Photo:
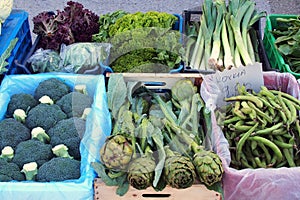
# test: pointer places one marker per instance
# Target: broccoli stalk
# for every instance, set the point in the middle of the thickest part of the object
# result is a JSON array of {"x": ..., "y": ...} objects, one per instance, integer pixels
[
  {"x": 40, "y": 134},
  {"x": 81, "y": 88},
  {"x": 20, "y": 115},
  {"x": 85, "y": 113},
  {"x": 61, "y": 150},
  {"x": 7, "y": 153},
  {"x": 46, "y": 100},
  {"x": 30, "y": 170}
]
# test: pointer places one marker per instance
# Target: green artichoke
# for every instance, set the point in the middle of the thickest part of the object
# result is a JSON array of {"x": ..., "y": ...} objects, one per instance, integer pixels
[
  {"x": 141, "y": 172},
  {"x": 179, "y": 171},
  {"x": 208, "y": 167},
  {"x": 116, "y": 153}
]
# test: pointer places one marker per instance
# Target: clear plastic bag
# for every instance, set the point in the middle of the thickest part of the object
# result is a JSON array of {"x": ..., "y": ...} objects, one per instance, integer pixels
[{"x": 84, "y": 56}]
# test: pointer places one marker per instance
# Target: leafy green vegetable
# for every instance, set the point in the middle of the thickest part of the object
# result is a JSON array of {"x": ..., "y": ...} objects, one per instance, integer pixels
[
  {"x": 287, "y": 36},
  {"x": 105, "y": 21},
  {"x": 6, "y": 55}
]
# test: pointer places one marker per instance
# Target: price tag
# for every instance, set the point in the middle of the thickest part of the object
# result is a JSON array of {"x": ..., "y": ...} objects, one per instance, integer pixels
[{"x": 224, "y": 84}]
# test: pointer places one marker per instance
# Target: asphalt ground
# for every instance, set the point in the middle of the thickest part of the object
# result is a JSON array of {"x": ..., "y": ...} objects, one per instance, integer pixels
[{"x": 34, "y": 7}]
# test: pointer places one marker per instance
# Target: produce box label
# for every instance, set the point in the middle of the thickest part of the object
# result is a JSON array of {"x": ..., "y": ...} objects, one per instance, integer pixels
[{"x": 225, "y": 83}]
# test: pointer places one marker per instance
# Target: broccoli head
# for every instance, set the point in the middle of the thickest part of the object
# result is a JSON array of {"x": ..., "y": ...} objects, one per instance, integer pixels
[
  {"x": 68, "y": 132},
  {"x": 12, "y": 133},
  {"x": 32, "y": 151},
  {"x": 20, "y": 101},
  {"x": 44, "y": 116},
  {"x": 10, "y": 171},
  {"x": 59, "y": 169},
  {"x": 53, "y": 88},
  {"x": 74, "y": 103}
]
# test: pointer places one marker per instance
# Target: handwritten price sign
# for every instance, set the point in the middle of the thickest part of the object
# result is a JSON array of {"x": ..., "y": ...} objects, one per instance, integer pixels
[{"x": 225, "y": 83}]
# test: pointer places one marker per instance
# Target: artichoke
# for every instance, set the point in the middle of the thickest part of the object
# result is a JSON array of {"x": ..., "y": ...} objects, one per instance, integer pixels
[
  {"x": 179, "y": 171},
  {"x": 141, "y": 172},
  {"x": 208, "y": 167},
  {"x": 116, "y": 153}
]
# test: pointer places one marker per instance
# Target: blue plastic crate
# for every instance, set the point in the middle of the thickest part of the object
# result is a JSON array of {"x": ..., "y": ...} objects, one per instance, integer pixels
[{"x": 16, "y": 26}]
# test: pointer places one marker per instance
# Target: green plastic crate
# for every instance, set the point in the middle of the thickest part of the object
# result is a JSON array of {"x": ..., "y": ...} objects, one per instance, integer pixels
[{"x": 275, "y": 58}]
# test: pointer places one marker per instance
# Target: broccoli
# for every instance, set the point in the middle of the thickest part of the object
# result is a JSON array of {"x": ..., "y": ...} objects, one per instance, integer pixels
[
  {"x": 59, "y": 169},
  {"x": 20, "y": 115},
  {"x": 44, "y": 116},
  {"x": 30, "y": 170},
  {"x": 46, "y": 99},
  {"x": 74, "y": 103},
  {"x": 12, "y": 133},
  {"x": 10, "y": 171},
  {"x": 52, "y": 87},
  {"x": 61, "y": 150},
  {"x": 68, "y": 132},
  {"x": 20, "y": 101},
  {"x": 32, "y": 151},
  {"x": 40, "y": 134},
  {"x": 7, "y": 153}
]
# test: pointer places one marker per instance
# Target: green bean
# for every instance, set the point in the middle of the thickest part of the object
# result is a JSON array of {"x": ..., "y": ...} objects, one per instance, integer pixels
[
  {"x": 286, "y": 95},
  {"x": 273, "y": 103},
  {"x": 268, "y": 130},
  {"x": 297, "y": 125},
  {"x": 253, "y": 145},
  {"x": 231, "y": 120},
  {"x": 270, "y": 144},
  {"x": 280, "y": 131},
  {"x": 261, "y": 113},
  {"x": 283, "y": 116},
  {"x": 292, "y": 109},
  {"x": 243, "y": 140},
  {"x": 266, "y": 92},
  {"x": 253, "y": 115},
  {"x": 266, "y": 152},
  {"x": 259, "y": 163},
  {"x": 253, "y": 99},
  {"x": 283, "y": 144},
  {"x": 289, "y": 157},
  {"x": 285, "y": 109},
  {"x": 236, "y": 111},
  {"x": 281, "y": 164}
]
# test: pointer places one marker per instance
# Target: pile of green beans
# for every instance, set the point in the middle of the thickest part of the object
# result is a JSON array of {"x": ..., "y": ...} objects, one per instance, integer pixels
[{"x": 262, "y": 128}]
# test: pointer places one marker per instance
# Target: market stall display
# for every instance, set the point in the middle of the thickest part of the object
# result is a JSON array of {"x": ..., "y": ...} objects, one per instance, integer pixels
[{"x": 141, "y": 128}]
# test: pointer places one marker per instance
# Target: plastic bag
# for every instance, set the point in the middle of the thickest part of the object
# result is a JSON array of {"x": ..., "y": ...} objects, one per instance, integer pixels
[
  {"x": 83, "y": 56},
  {"x": 98, "y": 124},
  {"x": 45, "y": 61},
  {"x": 261, "y": 183}
]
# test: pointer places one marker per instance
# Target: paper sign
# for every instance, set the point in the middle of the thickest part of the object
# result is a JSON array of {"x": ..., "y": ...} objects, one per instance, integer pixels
[{"x": 225, "y": 83}]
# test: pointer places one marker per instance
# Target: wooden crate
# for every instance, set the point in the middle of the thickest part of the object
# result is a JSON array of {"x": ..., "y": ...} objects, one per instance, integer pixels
[
  {"x": 161, "y": 80},
  {"x": 197, "y": 191}
]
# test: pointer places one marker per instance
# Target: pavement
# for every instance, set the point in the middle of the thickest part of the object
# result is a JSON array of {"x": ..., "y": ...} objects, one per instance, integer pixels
[{"x": 34, "y": 7}]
